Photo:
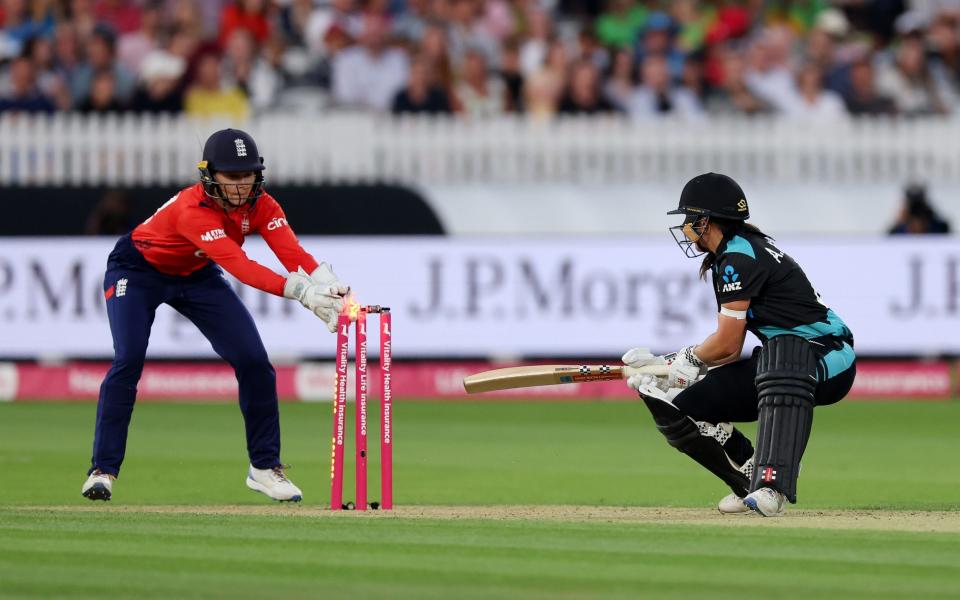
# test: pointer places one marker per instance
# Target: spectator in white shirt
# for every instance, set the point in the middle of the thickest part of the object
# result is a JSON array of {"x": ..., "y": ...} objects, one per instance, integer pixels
[
  {"x": 250, "y": 70},
  {"x": 533, "y": 50},
  {"x": 133, "y": 47},
  {"x": 768, "y": 74},
  {"x": 411, "y": 24},
  {"x": 370, "y": 74},
  {"x": 478, "y": 95},
  {"x": 915, "y": 87},
  {"x": 467, "y": 32},
  {"x": 657, "y": 97},
  {"x": 339, "y": 15},
  {"x": 814, "y": 104},
  {"x": 621, "y": 81}
]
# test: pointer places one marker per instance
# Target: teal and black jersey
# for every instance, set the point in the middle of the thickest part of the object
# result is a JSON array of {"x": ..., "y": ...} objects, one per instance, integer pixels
[{"x": 782, "y": 301}]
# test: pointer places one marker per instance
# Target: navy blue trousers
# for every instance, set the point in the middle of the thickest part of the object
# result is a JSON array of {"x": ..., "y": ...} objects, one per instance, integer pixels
[{"x": 210, "y": 303}]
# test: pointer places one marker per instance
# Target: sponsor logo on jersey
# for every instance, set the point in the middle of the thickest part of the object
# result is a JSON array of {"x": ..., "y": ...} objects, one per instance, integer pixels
[
  {"x": 241, "y": 147},
  {"x": 731, "y": 279},
  {"x": 213, "y": 234},
  {"x": 276, "y": 223}
]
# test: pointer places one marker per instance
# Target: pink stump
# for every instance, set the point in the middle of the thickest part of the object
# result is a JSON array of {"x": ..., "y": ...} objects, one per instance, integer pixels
[
  {"x": 339, "y": 414},
  {"x": 386, "y": 404},
  {"x": 361, "y": 413}
]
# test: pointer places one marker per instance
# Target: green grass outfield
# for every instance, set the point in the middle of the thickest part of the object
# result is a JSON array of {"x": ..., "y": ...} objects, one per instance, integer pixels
[{"x": 494, "y": 500}]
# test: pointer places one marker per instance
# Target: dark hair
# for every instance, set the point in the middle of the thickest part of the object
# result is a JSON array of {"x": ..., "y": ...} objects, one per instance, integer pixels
[
  {"x": 728, "y": 226},
  {"x": 107, "y": 35}
]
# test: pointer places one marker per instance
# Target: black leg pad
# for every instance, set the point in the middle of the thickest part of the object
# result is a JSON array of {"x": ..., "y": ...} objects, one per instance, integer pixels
[{"x": 786, "y": 382}]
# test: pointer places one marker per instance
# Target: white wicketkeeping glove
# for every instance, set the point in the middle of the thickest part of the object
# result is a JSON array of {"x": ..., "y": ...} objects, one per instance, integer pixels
[
  {"x": 315, "y": 297},
  {"x": 324, "y": 276},
  {"x": 685, "y": 368}
]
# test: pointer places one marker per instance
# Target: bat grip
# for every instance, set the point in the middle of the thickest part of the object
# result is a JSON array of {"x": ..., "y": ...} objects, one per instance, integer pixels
[{"x": 656, "y": 370}]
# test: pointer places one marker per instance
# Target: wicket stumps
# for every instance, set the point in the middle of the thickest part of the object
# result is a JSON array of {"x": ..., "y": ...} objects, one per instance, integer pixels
[{"x": 340, "y": 409}]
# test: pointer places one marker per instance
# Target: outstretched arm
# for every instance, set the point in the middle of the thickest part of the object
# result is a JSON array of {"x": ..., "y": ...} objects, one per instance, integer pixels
[
  {"x": 276, "y": 231},
  {"x": 208, "y": 235},
  {"x": 278, "y": 234}
]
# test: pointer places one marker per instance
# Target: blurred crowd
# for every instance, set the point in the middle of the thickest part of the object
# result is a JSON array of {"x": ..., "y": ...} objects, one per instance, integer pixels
[{"x": 816, "y": 60}]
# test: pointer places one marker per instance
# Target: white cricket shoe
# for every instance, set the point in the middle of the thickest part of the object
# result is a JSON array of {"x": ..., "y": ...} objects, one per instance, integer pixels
[
  {"x": 274, "y": 483},
  {"x": 98, "y": 486},
  {"x": 766, "y": 501},
  {"x": 732, "y": 504}
]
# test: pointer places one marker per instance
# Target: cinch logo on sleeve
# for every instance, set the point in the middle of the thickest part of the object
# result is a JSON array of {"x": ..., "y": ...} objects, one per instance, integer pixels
[
  {"x": 213, "y": 234},
  {"x": 276, "y": 223},
  {"x": 730, "y": 277}
]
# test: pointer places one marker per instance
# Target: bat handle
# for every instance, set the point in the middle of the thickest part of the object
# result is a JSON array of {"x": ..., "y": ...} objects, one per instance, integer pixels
[{"x": 656, "y": 370}]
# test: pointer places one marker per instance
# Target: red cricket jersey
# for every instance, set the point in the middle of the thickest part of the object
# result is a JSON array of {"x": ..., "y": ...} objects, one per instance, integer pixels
[{"x": 191, "y": 229}]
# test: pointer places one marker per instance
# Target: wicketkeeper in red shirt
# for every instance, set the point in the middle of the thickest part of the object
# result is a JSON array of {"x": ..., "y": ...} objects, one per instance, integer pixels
[{"x": 175, "y": 257}]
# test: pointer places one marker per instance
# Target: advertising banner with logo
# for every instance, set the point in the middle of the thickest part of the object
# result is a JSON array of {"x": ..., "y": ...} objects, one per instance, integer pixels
[
  {"x": 505, "y": 297},
  {"x": 315, "y": 381}
]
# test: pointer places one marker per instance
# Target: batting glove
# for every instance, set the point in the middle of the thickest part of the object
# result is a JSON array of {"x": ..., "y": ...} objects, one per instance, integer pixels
[
  {"x": 685, "y": 368},
  {"x": 641, "y": 357}
]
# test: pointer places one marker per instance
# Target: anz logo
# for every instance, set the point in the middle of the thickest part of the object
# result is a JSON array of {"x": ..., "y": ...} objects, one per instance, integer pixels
[{"x": 731, "y": 280}]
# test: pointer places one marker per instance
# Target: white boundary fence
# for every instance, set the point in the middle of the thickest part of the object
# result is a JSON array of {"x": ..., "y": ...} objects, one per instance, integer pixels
[{"x": 68, "y": 149}]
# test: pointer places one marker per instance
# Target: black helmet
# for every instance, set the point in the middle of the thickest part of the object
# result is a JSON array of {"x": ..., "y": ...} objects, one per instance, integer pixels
[
  {"x": 713, "y": 195},
  {"x": 705, "y": 197},
  {"x": 230, "y": 151}
]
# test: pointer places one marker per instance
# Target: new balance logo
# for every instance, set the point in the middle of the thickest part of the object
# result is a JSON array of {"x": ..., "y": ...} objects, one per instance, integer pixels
[
  {"x": 276, "y": 223},
  {"x": 121, "y": 287},
  {"x": 241, "y": 147},
  {"x": 213, "y": 234}
]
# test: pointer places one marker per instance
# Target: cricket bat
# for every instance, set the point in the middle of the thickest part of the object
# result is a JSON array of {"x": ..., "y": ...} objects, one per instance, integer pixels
[{"x": 537, "y": 375}]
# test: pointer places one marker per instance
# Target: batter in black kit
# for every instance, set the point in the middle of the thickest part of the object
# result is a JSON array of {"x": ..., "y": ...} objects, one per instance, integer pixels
[{"x": 806, "y": 358}]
